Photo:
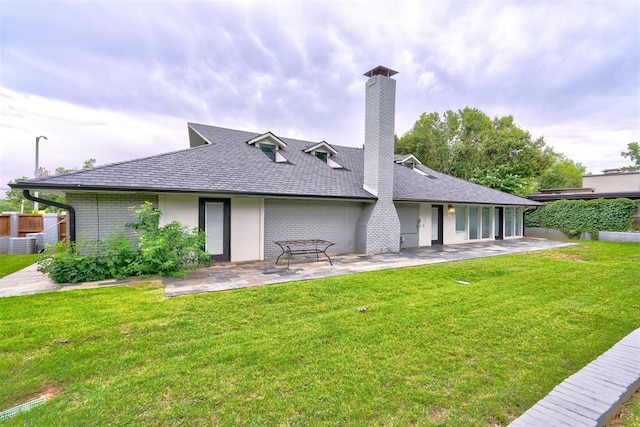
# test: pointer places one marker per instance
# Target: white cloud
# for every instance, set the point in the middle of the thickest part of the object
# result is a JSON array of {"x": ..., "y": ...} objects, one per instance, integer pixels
[
  {"x": 108, "y": 85},
  {"x": 76, "y": 134}
]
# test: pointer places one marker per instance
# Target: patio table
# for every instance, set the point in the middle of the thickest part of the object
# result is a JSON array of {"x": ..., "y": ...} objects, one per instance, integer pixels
[{"x": 303, "y": 247}]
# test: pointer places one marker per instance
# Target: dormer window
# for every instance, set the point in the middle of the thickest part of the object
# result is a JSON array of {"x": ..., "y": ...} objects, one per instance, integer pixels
[
  {"x": 269, "y": 150},
  {"x": 324, "y": 151},
  {"x": 411, "y": 162},
  {"x": 322, "y": 155},
  {"x": 270, "y": 145}
]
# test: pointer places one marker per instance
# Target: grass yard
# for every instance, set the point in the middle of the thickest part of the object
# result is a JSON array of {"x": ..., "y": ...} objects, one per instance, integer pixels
[
  {"x": 630, "y": 414},
  {"x": 427, "y": 350},
  {"x": 12, "y": 263}
]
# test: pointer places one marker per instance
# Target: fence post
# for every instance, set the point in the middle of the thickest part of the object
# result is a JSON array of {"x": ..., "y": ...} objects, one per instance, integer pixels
[{"x": 13, "y": 224}]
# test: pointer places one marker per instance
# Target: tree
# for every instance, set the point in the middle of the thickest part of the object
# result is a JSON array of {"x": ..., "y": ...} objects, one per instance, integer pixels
[
  {"x": 89, "y": 163},
  {"x": 564, "y": 173},
  {"x": 429, "y": 141},
  {"x": 59, "y": 171},
  {"x": 470, "y": 145},
  {"x": 14, "y": 201},
  {"x": 633, "y": 154}
]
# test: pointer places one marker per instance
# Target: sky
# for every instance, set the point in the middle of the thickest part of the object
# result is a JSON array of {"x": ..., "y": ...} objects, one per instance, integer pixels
[{"x": 115, "y": 80}]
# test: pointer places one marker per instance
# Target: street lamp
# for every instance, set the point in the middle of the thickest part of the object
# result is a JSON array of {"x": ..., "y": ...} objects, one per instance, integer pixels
[{"x": 37, "y": 171}]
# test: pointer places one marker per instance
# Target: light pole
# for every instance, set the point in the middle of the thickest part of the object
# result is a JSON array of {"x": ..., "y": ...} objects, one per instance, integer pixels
[{"x": 37, "y": 171}]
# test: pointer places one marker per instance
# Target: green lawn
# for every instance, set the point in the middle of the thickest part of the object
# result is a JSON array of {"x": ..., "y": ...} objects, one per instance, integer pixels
[
  {"x": 12, "y": 263},
  {"x": 427, "y": 351},
  {"x": 630, "y": 414}
]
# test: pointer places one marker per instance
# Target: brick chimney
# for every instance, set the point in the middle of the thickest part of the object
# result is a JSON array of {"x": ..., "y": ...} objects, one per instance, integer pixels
[{"x": 378, "y": 227}]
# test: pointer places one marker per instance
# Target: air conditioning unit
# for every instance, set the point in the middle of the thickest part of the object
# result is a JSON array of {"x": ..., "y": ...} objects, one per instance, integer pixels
[
  {"x": 22, "y": 245},
  {"x": 39, "y": 240}
]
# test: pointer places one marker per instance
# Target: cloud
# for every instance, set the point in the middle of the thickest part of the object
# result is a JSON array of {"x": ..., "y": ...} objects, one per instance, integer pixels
[
  {"x": 76, "y": 134},
  {"x": 79, "y": 70}
]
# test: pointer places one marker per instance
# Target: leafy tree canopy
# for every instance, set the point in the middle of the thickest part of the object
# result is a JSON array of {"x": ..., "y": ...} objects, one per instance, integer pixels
[
  {"x": 14, "y": 201},
  {"x": 564, "y": 173},
  {"x": 633, "y": 154},
  {"x": 470, "y": 145}
]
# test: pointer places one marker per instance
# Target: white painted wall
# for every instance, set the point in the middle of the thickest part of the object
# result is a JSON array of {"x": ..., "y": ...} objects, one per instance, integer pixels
[
  {"x": 181, "y": 208},
  {"x": 248, "y": 217},
  {"x": 247, "y": 221},
  {"x": 611, "y": 183},
  {"x": 247, "y": 225}
]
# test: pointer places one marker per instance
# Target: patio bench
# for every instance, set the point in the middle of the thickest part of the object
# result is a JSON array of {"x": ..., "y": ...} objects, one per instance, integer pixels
[{"x": 304, "y": 247}]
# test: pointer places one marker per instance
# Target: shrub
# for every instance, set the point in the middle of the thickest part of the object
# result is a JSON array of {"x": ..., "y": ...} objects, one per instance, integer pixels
[
  {"x": 573, "y": 217},
  {"x": 160, "y": 250},
  {"x": 165, "y": 250},
  {"x": 84, "y": 261}
]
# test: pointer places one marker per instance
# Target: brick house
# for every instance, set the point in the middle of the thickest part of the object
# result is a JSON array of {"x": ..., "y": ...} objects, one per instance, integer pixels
[{"x": 247, "y": 189}]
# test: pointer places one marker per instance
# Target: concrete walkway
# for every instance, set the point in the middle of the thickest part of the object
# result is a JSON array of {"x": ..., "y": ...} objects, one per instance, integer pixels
[{"x": 30, "y": 281}]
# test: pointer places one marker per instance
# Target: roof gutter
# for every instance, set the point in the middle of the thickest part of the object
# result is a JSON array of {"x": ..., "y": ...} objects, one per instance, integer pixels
[{"x": 68, "y": 208}]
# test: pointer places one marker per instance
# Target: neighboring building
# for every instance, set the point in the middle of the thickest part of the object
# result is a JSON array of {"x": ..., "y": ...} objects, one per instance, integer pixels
[
  {"x": 246, "y": 190},
  {"x": 611, "y": 184}
]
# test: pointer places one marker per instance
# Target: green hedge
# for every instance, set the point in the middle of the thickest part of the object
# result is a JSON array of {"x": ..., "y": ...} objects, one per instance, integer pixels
[{"x": 575, "y": 216}]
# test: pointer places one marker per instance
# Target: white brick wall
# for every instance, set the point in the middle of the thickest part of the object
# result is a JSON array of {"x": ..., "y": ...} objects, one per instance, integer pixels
[
  {"x": 98, "y": 216},
  {"x": 378, "y": 228},
  {"x": 289, "y": 219}
]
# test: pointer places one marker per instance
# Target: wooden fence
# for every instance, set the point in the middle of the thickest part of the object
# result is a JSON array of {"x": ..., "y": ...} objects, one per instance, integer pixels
[
  {"x": 62, "y": 228},
  {"x": 5, "y": 225},
  {"x": 31, "y": 223}
]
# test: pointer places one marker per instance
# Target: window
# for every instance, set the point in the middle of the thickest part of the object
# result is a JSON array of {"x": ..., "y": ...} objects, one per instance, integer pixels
[
  {"x": 461, "y": 219},
  {"x": 518, "y": 231},
  {"x": 269, "y": 150},
  {"x": 486, "y": 223},
  {"x": 321, "y": 155},
  {"x": 508, "y": 221},
  {"x": 473, "y": 222}
]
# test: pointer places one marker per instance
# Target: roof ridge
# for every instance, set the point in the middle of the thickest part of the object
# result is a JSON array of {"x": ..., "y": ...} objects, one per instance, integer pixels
[{"x": 284, "y": 138}]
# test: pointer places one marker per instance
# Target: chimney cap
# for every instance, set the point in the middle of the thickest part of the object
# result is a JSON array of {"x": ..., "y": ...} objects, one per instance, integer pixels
[{"x": 380, "y": 70}]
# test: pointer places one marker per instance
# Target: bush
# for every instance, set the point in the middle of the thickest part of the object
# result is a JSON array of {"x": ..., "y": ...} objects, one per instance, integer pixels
[
  {"x": 83, "y": 262},
  {"x": 165, "y": 250},
  {"x": 573, "y": 217},
  {"x": 160, "y": 250}
]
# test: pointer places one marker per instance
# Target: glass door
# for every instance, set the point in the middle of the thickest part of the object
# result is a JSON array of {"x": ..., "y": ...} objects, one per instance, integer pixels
[
  {"x": 214, "y": 226},
  {"x": 215, "y": 222},
  {"x": 486, "y": 223}
]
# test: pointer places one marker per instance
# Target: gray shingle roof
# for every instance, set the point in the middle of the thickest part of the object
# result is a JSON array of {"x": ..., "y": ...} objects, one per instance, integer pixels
[{"x": 229, "y": 165}]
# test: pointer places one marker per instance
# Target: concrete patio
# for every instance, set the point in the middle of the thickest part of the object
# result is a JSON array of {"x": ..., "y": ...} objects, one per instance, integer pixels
[{"x": 228, "y": 276}]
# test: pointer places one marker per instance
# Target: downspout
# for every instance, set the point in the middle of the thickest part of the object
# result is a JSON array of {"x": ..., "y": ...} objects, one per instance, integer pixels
[{"x": 68, "y": 208}]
